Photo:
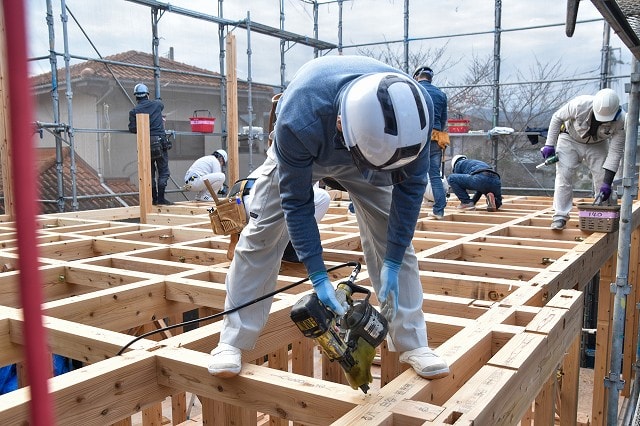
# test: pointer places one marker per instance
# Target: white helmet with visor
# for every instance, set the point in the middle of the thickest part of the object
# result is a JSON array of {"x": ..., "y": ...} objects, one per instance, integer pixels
[{"x": 385, "y": 124}]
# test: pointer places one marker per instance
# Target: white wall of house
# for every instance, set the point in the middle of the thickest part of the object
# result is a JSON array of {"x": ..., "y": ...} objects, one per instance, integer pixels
[{"x": 113, "y": 153}]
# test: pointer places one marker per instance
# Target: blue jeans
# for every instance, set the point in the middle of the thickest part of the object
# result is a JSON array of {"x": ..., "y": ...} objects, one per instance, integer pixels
[
  {"x": 435, "y": 178},
  {"x": 482, "y": 183}
]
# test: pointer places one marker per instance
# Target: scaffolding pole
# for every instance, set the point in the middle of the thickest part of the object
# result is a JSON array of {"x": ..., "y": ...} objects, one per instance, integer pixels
[
  {"x": 69, "y": 94},
  {"x": 496, "y": 79},
  {"x": 249, "y": 101},
  {"x": 223, "y": 75},
  {"x": 614, "y": 383},
  {"x": 55, "y": 103}
]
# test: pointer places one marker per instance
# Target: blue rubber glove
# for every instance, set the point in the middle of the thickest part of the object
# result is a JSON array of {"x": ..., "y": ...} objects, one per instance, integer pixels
[
  {"x": 388, "y": 295},
  {"x": 605, "y": 190},
  {"x": 325, "y": 291},
  {"x": 548, "y": 151}
]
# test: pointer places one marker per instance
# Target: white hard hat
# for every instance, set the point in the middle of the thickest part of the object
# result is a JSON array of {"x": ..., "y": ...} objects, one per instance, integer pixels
[
  {"x": 455, "y": 159},
  {"x": 221, "y": 153},
  {"x": 385, "y": 121},
  {"x": 605, "y": 105},
  {"x": 140, "y": 90}
]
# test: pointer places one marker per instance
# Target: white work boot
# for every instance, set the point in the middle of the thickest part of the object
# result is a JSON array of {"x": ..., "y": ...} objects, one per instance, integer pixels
[
  {"x": 204, "y": 196},
  {"x": 425, "y": 363},
  {"x": 225, "y": 361}
]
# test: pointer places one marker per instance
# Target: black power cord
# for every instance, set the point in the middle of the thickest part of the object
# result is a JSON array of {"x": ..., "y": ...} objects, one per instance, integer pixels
[{"x": 356, "y": 266}]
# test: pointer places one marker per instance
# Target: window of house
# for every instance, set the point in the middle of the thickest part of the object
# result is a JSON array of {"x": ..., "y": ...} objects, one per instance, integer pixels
[{"x": 185, "y": 147}]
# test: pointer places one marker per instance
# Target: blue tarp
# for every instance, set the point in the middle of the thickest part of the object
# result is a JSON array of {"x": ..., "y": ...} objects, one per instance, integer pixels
[{"x": 9, "y": 374}]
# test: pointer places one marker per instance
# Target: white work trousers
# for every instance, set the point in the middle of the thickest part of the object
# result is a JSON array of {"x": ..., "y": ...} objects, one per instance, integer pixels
[
  {"x": 571, "y": 154},
  {"x": 256, "y": 262},
  {"x": 215, "y": 179},
  {"x": 321, "y": 202}
]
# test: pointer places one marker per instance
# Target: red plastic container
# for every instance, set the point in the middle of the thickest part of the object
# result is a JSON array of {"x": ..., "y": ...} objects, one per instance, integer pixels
[
  {"x": 458, "y": 125},
  {"x": 202, "y": 124}
]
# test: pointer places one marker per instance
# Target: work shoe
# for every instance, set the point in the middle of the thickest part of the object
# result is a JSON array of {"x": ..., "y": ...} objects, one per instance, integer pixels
[
  {"x": 435, "y": 216},
  {"x": 466, "y": 206},
  {"x": 491, "y": 202},
  {"x": 225, "y": 361},
  {"x": 164, "y": 203},
  {"x": 204, "y": 198},
  {"x": 425, "y": 363},
  {"x": 558, "y": 224}
]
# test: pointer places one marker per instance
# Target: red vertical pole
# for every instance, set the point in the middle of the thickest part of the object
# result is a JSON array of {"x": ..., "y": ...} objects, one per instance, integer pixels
[{"x": 24, "y": 174}]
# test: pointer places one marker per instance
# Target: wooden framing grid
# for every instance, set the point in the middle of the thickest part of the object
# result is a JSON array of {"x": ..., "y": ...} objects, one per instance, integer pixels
[{"x": 502, "y": 303}]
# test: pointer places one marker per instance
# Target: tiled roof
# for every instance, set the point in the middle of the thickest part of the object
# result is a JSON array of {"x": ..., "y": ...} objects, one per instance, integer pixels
[
  {"x": 97, "y": 70},
  {"x": 87, "y": 183}
]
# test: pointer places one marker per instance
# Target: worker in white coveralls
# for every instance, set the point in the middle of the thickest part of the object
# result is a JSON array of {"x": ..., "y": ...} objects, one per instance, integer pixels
[
  {"x": 587, "y": 129},
  {"x": 365, "y": 124},
  {"x": 204, "y": 168}
]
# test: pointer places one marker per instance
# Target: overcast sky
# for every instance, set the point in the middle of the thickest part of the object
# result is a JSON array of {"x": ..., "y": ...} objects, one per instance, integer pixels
[{"x": 115, "y": 26}]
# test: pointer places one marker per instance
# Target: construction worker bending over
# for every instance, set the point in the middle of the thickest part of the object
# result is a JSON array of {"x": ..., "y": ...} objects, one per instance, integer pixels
[
  {"x": 474, "y": 175},
  {"x": 204, "y": 168},
  {"x": 365, "y": 124},
  {"x": 587, "y": 129}
]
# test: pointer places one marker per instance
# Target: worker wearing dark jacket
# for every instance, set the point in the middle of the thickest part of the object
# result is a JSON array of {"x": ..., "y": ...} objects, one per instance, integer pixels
[
  {"x": 159, "y": 143},
  {"x": 439, "y": 139},
  {"x": 475, "y": 175},
  {"x": 364, "y": 124}
]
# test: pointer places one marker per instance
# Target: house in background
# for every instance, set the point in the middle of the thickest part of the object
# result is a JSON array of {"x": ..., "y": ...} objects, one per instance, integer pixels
[{"x": 102, "y": 96}]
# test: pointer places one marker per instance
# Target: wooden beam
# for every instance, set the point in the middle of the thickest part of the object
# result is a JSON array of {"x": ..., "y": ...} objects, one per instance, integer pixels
[
  {"x": 233, "y": 166},
  {"x": 5, "y": 145},
  {"x": 144, "y": 165}
]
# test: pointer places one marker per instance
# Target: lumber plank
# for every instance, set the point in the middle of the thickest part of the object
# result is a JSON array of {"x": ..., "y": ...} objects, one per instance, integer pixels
[
  {"x": 101, "y": 393},
  {"x": 502, "y": 317},
  {"x": 279, "y": 393}
]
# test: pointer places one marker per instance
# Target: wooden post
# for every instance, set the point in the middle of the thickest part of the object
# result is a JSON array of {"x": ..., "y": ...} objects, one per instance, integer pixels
[
  {"x": 5, "y": 146},
  {"x": 544, "y": 412},
  {"x": 570, "y": 384},
  {"x": 233, "y": 168},
  {"x": 144, "y": 165}
]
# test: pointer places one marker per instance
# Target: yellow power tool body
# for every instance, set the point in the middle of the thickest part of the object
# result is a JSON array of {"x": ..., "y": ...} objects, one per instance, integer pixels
[{"x": 350, "y": 340}]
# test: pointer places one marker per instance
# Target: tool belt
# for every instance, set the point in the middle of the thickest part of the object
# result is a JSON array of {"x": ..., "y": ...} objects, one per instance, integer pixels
[
  {"x": 229, "y": 215},
  {"x": 242, "y": 187},
  {"x": 156, "y": 148},
  {"x": 442, "y": 138}
]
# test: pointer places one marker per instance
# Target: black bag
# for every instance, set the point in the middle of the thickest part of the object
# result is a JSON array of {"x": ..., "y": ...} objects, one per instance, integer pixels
[
  {"x": 166, "y": 143},
  {"x": 156, "y": 148}
]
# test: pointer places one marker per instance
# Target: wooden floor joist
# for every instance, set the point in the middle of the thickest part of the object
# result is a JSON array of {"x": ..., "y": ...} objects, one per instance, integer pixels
[{"x": 503, "y": 302}]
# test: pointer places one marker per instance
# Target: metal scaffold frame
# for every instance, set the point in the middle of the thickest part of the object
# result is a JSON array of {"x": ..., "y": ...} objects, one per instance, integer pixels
[
  {"x": 287, "y": 39},
  {"x": 629, "y": 182}
]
